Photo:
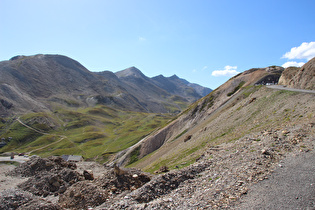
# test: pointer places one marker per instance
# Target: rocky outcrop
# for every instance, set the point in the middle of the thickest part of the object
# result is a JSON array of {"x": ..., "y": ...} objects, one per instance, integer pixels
[{"x": 299, "y": 77}]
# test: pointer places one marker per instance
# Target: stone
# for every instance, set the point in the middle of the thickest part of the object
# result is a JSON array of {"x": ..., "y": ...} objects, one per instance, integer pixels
[{"x": 88, "y": 175}]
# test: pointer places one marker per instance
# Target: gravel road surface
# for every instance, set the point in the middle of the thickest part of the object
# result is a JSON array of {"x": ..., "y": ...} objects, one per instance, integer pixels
[{"x": 291, "y": 186}]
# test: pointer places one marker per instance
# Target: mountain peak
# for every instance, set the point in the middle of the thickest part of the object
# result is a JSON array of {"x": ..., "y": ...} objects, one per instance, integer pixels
[
  {"x": 174, "y": 77},
  {"x": 130, "y": 72}
]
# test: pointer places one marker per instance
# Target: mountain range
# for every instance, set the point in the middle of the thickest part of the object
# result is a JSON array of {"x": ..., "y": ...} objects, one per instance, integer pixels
[
  {"x": 241, "y": 106},
  {"x": 211, "y": 155},
  {"x": 44, "y": 82}
]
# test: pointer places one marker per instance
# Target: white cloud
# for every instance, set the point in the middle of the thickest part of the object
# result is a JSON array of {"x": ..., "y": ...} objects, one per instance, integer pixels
[
  {"x": 304, "y": 51},
  {"x": 204, "y": 68},
  {"x": 228, "y": 71},
  {"x": 292, "y": 63}
]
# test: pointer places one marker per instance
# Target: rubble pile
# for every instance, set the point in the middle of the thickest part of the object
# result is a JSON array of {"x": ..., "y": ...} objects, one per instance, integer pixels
[
  {"x": 18, "y": 199},
  {"x": 83, "y": 195},
  {"x": 124, "y": 180},
  {"x": 48, "y": 176},
  {"x": 51, "y": 183},
  {"x": 38, "y": 165},
  {"x": 107, "y": 188},
  {"x": 165, "y": 183}
]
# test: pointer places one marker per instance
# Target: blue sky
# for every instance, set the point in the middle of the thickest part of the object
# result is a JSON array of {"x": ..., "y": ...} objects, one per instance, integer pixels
[{"x": 202, "y": 41}]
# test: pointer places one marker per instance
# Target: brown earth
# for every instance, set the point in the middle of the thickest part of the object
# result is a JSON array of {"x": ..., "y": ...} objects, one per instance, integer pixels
[{"x": 301, "y": 78}]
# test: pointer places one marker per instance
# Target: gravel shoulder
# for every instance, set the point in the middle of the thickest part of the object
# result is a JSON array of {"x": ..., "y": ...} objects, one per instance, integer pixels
[
  {"x": 7, "y": 182},
  {"x": 291, "y": 186}
]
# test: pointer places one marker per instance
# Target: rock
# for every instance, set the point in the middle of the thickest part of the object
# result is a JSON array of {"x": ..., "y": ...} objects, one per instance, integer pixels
[
  {"x": 118, "y": 171},
  {"x": 187, "y": 138},
  {"x": 285, "y": 132},
  {"x": 88, "y": 174},
  {"x": 265, "y": 152},
  {"x": 162, "y": 169}
]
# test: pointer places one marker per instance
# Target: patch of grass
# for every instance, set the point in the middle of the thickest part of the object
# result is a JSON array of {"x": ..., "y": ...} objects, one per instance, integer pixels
[
  {"x": 134, "y": 155},
  {"x": 90, "y": 132},
  {"x": 232, "y": 126},
  {"x": 20, "y": 135},
  {"x": 250, "y": 89},
  {"x": 236, "y": 88},
  {"x": 179, "y": 135},
  {"x": 208, "y": 102},
  {"x": 177, "y": 161}
]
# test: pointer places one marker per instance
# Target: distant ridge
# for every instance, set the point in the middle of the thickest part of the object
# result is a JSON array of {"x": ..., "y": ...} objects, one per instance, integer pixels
[{"x": 41, "y": 82}]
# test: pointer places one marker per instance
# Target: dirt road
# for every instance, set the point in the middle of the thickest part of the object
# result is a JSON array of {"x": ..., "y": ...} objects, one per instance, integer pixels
[{"x": 20, "y": 159}]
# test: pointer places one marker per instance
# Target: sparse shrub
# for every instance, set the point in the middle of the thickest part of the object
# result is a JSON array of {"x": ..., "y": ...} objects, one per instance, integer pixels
[
  {"x": 179, "y": 135},
  {"x": 134, "y": 155},
  {"x": 236, "y": 88}
]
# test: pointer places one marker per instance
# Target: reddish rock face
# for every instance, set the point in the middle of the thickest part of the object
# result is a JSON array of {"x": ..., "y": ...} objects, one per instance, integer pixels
[{"x": 301, "y": 78}]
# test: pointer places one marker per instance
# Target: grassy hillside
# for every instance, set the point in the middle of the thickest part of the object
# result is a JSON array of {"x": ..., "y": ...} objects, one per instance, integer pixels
[
  {"x": 253, "y": 109},
  {"x": 95, "y": 133}
]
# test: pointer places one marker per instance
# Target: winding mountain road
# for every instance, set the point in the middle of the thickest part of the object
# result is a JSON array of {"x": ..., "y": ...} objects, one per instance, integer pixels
[{"x": 62, "y": 137}]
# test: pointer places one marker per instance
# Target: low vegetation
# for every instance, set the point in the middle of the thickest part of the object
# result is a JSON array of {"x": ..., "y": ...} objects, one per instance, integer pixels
[
  {"x": 255, "y": 109},
  {"x": 95, "y": 132},
  {"x": 236, "y": 88}
]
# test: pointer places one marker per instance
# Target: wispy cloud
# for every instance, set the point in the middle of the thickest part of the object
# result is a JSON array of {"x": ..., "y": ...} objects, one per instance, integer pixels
[
  {"x": 142, "y": 39},
  {"x": 203, "y": 68},
  {"x": 305, "y": 51},
  {"x": 292, "y": 63},
  {"x": 228, "y": 71}
]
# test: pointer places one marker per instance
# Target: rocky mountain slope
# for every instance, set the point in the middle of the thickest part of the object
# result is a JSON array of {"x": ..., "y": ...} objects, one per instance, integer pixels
[
  {"x": 300, "y": 77},
  {"x": 216, "y": 151},
  {"x": 199, "y": 113},
  {"x": 43, "y": 82}
]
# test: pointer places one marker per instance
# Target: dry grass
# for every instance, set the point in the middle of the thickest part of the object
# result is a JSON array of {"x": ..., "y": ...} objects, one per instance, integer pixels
[{"x": 270, "y": 109}]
